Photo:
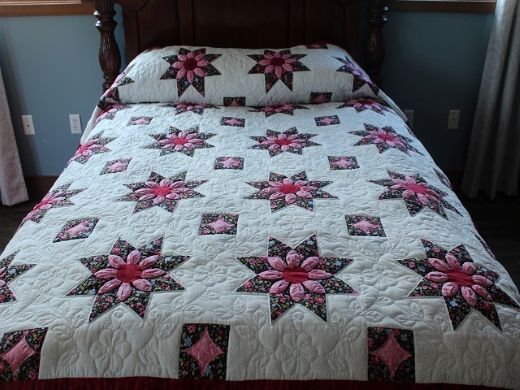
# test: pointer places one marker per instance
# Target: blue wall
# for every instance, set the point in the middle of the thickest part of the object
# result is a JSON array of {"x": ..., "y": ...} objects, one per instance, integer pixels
[{"x": 434, "y": 63}]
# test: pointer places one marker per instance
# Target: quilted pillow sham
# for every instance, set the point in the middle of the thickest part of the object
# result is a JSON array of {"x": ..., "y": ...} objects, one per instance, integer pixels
[{"x": 246, "y": 77}]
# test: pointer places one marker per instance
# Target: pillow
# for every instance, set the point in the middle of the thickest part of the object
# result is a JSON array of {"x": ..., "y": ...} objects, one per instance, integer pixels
[{"x": 252, "y": 77}]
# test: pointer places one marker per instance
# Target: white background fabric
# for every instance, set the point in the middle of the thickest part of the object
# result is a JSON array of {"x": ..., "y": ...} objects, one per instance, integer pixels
[
  {"x": 12, "y": 184},
  {"x": 493, "y": 162}
]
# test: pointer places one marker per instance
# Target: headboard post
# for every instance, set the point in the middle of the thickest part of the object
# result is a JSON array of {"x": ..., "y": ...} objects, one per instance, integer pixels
[
  {"x": 375, "y": 50},
  {"x": 109, "y": 56}
]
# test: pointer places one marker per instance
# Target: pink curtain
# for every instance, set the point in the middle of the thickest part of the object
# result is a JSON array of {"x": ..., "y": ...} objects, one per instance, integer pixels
[{"x": 12, "y": 184}]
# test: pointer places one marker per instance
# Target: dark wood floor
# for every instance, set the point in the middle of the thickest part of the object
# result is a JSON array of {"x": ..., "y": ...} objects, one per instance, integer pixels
[{"x": 498, "y": 221}]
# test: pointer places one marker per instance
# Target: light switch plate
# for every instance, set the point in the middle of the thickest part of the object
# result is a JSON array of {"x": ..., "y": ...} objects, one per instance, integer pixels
[
  {"x": 28, "y": 125},
  {"x": 453, "y": 119},
  {"x": 75, "y": 123}
]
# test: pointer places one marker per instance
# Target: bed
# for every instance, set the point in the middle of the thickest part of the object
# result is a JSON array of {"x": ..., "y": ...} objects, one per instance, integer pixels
[{"x": 259, "y": 218}]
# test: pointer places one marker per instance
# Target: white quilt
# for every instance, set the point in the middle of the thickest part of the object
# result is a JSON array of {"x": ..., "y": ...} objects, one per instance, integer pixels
[{"x": 301, "y": 241}]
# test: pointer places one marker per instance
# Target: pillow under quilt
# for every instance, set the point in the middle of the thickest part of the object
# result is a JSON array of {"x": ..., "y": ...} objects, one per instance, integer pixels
[{"x": 246, "y": 77}]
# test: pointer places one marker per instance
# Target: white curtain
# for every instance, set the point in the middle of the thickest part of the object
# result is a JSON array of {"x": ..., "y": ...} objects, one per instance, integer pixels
[
  {"x": 493, "y": 163},
  {"x": 12, "y": 184}
]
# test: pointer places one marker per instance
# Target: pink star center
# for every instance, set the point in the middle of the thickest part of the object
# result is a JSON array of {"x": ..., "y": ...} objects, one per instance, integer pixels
[
  {"x": 417, "y": 188},
  {"x": 180, "y": 141},
  {"x": 327, "y": 120},
  {"x": 127, "y": 273},
  {"x": 387, "y": 137},
  {"x": 392, "y": 354},
  {"x": 162, "y": 191},
  {"x": 283, "y": 141},
  {"x": 295, "y": 275},
  {"x": 204, "y": 351},
  {"x": 460, "y": 278},
  {"x": 190, "y": 63},
  {"x": 289, "y": 188}
]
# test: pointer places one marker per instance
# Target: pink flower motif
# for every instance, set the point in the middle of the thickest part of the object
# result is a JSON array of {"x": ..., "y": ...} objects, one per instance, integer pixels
[
  {"x": 363, "y": 103},
  {"x": 220, "y": 225},
  {"x": 181, "y": 141},
  {"x": 295, "y": 273},
  {"x": 159, "y": 192},
  {"x": 123, "y": 275},
  {"x": 230, "y": 162},
  {"x": 190, "y": 65},
  {"x": 278, "y": 63},
  {"x": 455, "y": 278},
  {"x": 76, "y": 230},
  {"x": 342, "y": 162},
  {"x": 412, "y": 188},
  {"x": 284, "y": 142},
  {"x": 289, "y": 190},
  {"x": 117, "y": 166},
  {"x": 365, "y": 226},
  {"x": 380, "y": 136},
  {"x": 46, "y": 203},
  {"x": 87, "y": 149},
  {"x": 278, "y": 108}
]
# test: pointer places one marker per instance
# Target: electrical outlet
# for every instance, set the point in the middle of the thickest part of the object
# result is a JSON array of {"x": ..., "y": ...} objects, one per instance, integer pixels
[
  {"x": 28, "y": 125},
  {"x": 453, "y": 119},
  {"x": 410, "y": 116},
  {"x": 75, "y": 123}
]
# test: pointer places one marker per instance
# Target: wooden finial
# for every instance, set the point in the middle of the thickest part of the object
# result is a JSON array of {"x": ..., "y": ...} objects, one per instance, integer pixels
[
  {"x": 375, "y": 50},
  {"x": 109, "y": 56}
]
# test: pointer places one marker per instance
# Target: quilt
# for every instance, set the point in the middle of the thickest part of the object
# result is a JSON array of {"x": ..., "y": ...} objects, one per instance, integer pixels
[{"x": 250, "y": 234}]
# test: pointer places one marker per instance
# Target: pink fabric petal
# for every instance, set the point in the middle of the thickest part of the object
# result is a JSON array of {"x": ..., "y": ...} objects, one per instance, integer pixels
[
  {"x": 107, "y": 273},
  {"x": 115, "y": 261},
  {"x": 310, "y": 263},
  {"x": 482, "y": 292},
  {"x": 293, "y": 259},
  {"x": 482, "y": 280},
  {"x": 159, "y": 200},
  {"x": 111, "y": 285},
  {"x": 314, "y": 287},
  {"x": 276, "y": 263},
  {"x": 191, "y": 76},
  {"x": 437, "y": 277},
  {"x": 147, "y": 262},
  {"x": 133, "y": 257},
  {"x": 278, "y": 71},
  {"x": 452, "y": 261},
  {"x": 199, "y": 72},
  {"x": 438, "y": 264},
  {"x": 124, "y": 291},
  {"x": 469, "y": 295},
  {"x": 407, "y": 194},
  {"x": 290, "y": 198},
  {"x": 469, "y": 268},
  {"x": 279, "y": 287},
  {"x": 152, "y": 273},
  {"x": 423, "y": 199},
  {"x": 142, "y": 284},
  {"x": 2, "y": 283},
  {"x": 296, "y": 291},
  {"x": 319, "y": 274},
  {"x": 449, "y": 289},
  {"x": 270, "y": 275}
]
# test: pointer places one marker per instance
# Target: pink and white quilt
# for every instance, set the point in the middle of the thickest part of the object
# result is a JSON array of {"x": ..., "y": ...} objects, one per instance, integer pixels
[{"x": 242, "y": 215}]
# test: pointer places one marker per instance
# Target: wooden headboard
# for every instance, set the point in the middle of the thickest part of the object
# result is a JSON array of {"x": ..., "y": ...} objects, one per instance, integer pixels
[{"x": 241, "y": 23}]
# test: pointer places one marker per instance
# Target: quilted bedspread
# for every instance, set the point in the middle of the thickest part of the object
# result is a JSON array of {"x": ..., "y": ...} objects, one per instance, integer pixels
[{"x": 297, "y": 241}]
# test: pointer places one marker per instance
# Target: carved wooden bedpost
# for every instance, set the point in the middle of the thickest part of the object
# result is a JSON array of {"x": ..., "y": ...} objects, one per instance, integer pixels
[
  {"x": 375, "y": 50},
  {"x": 109, "y": 56}
]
